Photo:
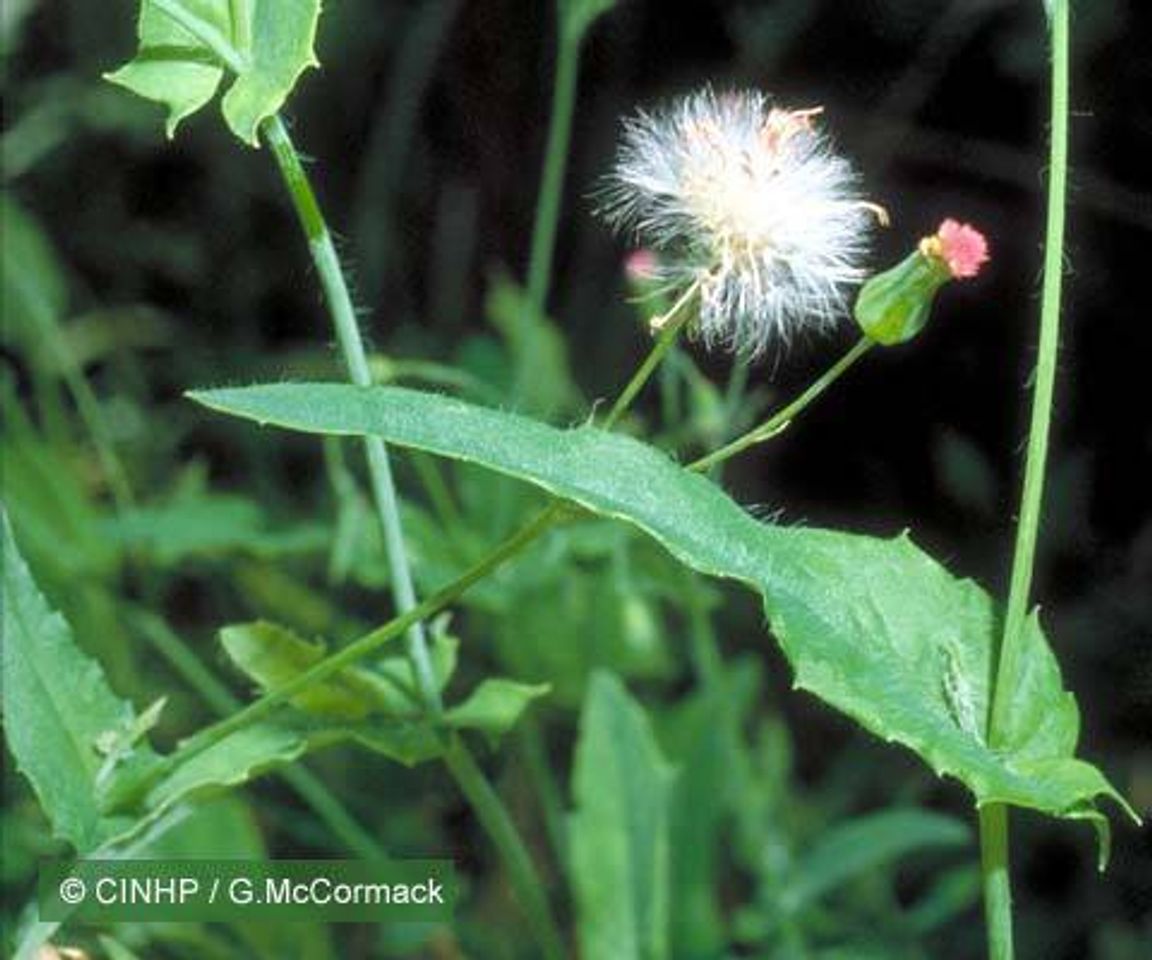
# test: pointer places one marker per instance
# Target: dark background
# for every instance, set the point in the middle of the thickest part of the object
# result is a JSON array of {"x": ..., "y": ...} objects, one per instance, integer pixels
[{"x": 427, "y": 125}]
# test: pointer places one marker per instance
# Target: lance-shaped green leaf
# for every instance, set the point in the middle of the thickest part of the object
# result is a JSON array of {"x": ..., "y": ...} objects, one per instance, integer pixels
[
  {"x": 58, "y": 707},
  {"x": 187, "y": 46},
  {"x": 874, "y": 627},
  {"x": 619, "y": 832}
]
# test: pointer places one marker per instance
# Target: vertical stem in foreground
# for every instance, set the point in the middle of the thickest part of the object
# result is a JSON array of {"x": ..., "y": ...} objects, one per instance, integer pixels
[
  {"x": 356, "y": 361},
  {"x": 485, "y": 801},
  {"x": 994, "y": 817}
]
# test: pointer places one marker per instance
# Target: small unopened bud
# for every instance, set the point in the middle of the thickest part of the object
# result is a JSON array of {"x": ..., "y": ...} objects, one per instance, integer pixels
[
  {"x": 894, "y": 306},
  {"x": 642, "y": 267}
]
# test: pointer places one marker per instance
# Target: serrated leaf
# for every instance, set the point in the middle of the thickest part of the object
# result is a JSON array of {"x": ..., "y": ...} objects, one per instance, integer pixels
[
  {"x": 875, "y": 628},
  {"x": 270, "y": 42},
  {"x": 866, "y": 843},
  {"x": 619, "y": 832},
  {"x": 172, "y": 67},
  {"x": 495, "y": 706},
  {"x": 57, "y": 705}
]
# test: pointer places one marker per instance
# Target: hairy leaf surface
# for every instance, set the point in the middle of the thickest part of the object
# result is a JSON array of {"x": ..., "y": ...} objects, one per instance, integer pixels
[{"x": 874, "y": 627}]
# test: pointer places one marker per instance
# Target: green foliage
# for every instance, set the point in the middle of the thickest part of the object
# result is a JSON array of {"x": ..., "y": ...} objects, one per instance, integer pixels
[
  {"x": 272, "y": 656},
  {"x": 234, "y": 760},
  {"x": 34, "y": 292},
  {"x": 536, "y": 349},
  {"x": 733, "y": 853},
  {"x": 619, "y": 831},
  {"x": 58, "y": 708},
  {"x": 859, "y": 847},
  {"x": 702, "y": 736},
  {"x": 186, "y": 46},
  {"x": 495, "y": 706},
  {"x": 197, "y": 523},
  {"x": 873, "y": 627}
]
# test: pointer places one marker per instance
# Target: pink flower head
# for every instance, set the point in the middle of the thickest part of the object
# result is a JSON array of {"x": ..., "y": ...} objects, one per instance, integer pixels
[{"x": 962, "y": 247}]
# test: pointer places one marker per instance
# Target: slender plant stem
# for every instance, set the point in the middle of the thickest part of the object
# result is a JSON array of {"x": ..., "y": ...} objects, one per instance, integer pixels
[
  {"x": 780, "y": 420},
  {"x": 538, "y": 764},
  {"x": 996, "y": 880},
  {"x": 87, "y": 404},
  {"x": 1028, "y": 525},
  {"x": 411, "y": 614},
  {"x": 357, "y": 650},
  {"x": 494, "y": 816},
  {"x": 670, "y": 326},
  {"x": 552, "y": 178},
  {"x": 356, "y": 361},
  {"x": 370, "y": 642},
  {"x": 994, "y": 817}
]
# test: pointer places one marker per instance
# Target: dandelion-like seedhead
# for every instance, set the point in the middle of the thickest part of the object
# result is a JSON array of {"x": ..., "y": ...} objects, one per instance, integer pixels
[{"x": 750, "y": 202}]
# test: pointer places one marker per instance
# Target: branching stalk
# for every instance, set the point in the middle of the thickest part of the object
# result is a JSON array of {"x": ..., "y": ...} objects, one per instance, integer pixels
[{"x": 780, "y": 421}]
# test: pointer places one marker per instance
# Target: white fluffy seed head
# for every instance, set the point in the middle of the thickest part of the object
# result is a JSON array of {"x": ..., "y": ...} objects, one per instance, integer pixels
[{"x": 751, "y": 202}]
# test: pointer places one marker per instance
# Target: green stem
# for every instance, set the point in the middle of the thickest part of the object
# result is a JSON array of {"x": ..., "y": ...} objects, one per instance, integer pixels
[
  {"x": 356, "y": 361},
  {"x": 87, "y": 404},
  {"x": 309, "y": 787},
  {"x": 783, "y": 417},
  {"x": 997, "y": 881},
  {"x": 552, "y": 178},
  {"x": 371, "y": 642},
  {"x": 412, "y": 615},
  {"x": 544, "y": 783},
  {"x": 359, "y": 649},
  {"x": 1032, "y": 496},
  {"x": 499, "y": 826},
  {"x": 670, "y": 326},
  {"x": 994, "y": 817},
  {"x": 92, "y": 416}
]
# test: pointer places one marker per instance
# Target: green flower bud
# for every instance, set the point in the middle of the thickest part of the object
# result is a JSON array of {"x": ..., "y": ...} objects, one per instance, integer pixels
[{"x": 894, "y": 306}]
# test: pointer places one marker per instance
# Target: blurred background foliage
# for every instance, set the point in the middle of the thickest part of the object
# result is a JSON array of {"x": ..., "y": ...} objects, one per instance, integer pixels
[{"x": 134, "y": 269}]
